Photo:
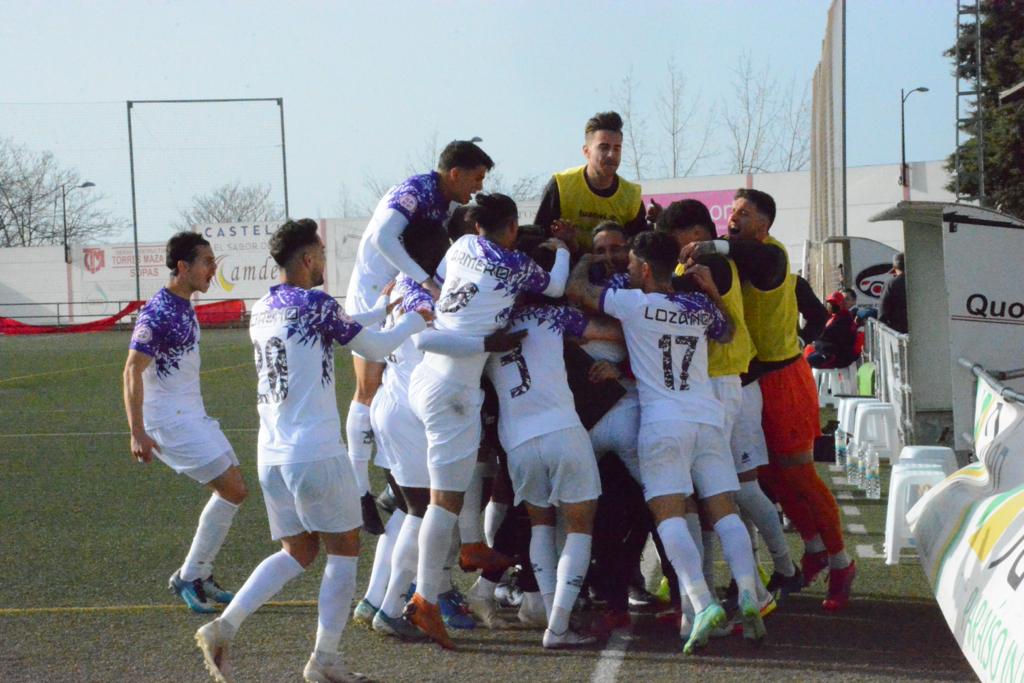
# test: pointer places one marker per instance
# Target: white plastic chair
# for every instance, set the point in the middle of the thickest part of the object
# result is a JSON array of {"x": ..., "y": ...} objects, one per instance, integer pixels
[
  {"x": 939, "y": 455},
  {"x": 907, "y": 483},
  {"x": 875, "y": 424}
]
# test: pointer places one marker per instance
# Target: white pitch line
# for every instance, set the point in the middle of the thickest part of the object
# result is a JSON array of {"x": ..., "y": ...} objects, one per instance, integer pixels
[
  {"x": 856, "y": 528},
  {"x": 844, "y": 495},
  {"x": 868, "y": 552},
  {"x": 851, "y": 511},
  {"x": 836, "y": 468},
  {"x": 610, "y": 661},
  {"x": 840, "y": 481},
  {"x": 56, "y": 434}
]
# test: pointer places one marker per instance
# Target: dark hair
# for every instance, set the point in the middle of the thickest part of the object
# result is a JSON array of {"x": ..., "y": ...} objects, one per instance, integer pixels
[
  {"x": 609, "y": 226},
  {"x": 492, "y": 211},
  {"x": 659, "y": 250},
  {"x": 459, "y": 223},
  {"x": 529, "y": 238},
  {"x": 184, "y": 246},
  {"x": 850, "y": 292},
  {"x": 463, "y": 154},
  {"x": 604, "y": 120},
  {"x": 898, "y": 261},
  {"x": 685, "y": 214},
  {"x": 426, "y": 243},
  {"x": 292, "y": 238},
  {"x": 761, "y": 200}
]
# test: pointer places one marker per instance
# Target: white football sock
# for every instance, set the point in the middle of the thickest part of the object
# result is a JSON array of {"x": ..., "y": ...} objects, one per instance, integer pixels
[
  {"x": 404, "y": 557},
  {"x": 337, "y": 587},
  {"x": 494, "y": 515},
  {"x": 544, "y": 559},
  {"x": 737, "y": 551},
  {"x": 266, "y": 580},
  {"x": 682, "y": 553},
  {"x": 572, "y": 569},
  {"x": 359, "y": 435},
  {"x": 381, "y": 571},
  {"x": 435, "y": 541},
  {"x": 214, "y": 524},
  {"x": 753, "y": 502},
  {"x": 470, "y": 530}
]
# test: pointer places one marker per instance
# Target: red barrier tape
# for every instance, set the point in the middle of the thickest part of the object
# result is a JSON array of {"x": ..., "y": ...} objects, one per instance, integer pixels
[
  {"x": 221, "y": 312},
  {"x": 9, "y": 326}
]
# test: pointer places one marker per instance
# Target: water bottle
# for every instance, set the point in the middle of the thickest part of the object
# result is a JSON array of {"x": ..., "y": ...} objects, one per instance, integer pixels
[
  {"x": 852, "y": 468},
  {"x": 840, "y": 448},
  {"x": 873, "y": 485},
  {"x": 862, "y": 466}
]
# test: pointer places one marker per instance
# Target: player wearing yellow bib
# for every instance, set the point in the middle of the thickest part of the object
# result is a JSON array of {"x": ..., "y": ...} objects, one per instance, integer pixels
[
  {"x": 690, "y": 221},
  {"x": 584, "y": 196},
  {"x": 790, "y": 405}
]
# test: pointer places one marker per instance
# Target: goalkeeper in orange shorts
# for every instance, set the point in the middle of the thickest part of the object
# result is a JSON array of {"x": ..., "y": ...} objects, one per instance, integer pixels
[{"x": 790, "y": 400}]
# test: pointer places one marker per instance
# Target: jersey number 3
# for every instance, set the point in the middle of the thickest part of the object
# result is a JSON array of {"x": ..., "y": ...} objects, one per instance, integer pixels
[
  {"x": 665, "y": 343},
  {"x": 516, "y": 356},
  {"x": 274, "y": 362}
]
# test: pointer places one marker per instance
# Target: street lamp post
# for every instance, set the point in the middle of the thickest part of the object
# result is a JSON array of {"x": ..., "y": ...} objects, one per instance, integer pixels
[
  {"x": 903, "y": 137},
  {"x": 64, "y": 212}
]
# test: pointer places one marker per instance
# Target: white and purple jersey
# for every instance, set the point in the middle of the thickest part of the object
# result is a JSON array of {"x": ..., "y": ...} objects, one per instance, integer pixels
[
  {"x": 481, "y": 282},
  {"x": 416, "y": 199},
  {"x": 293, "y": 331},
  {"x": 411, "y": 296},
  {"x": 533, "y": 392},
  {"x": 599, "y": 349},
  {"x": 666, "y": 335},
  {"x": 168, "y": 331}
]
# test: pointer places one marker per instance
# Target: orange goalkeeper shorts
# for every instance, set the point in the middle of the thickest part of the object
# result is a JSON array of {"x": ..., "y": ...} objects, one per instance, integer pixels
[{"x": 789, "y": 414}]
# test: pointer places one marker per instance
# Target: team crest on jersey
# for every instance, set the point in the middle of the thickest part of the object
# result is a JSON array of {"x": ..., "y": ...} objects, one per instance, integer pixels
[
  {"x": 142, "y": 334},
  {"x": 407, "y": 202}
]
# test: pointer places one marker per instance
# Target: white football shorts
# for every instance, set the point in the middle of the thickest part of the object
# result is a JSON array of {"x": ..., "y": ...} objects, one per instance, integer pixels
[
  {"x": 676, "y": 457},
  {"x": 401, "y": 439},
  {"x": 558, "y": 467},
  {"x": 196, "y": 448},
  {"x": 311, "y": 496},
  {"x": 748, "y": 446}
]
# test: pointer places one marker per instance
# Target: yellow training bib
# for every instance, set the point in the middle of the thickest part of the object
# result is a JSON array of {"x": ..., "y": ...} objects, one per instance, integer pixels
[
  {"x": 772, "y": 316},
  {"x": 732, "y": 358},
  {"x": 584, "y": 209}
]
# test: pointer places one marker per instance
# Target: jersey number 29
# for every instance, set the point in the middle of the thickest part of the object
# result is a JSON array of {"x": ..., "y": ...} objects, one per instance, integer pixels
[{"x": 273, "y": 361}]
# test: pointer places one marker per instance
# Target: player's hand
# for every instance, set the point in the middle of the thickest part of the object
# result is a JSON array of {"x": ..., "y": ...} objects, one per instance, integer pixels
[
  {"x": 602, "y": 371},
  {"x": 143, "y": 446},
  {"x": 388, "y": 288},
  {"x": 432, "y": 287},
  {"x": 503, "y": 341},
  {"x": 554, "y": 244},
  {"x": 695, "y": 249},
  {"x": 426, "y": 314},
  {"x": 565, "y": 231},
  {"x": 702, "y": 278},
  {"x": 653, "y": 211}
]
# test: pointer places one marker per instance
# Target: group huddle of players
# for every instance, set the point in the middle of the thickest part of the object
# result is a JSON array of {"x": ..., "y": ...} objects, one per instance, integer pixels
[{"x": 606, "y": 374}]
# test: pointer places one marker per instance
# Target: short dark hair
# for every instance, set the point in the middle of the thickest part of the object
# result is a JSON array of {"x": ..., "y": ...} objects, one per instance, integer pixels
[
  {"x": 603, "y": 120},
  {"x": 849, "y": 291},
  {"x": 898, "y": 261},
  {"x": 685, "y": 214},
  {"x": 463, "y": 154},
  {"x": 459, "y": 223},
  {"x": 292, "y": 238},
  {"x": 426, "y": 243},
  {"x": 659, "y": 250},
  {"x": 184, "y": 246},
  {"x": 762, "y": 201},
  {"x": 492, "y": 211},
  {"x": 609, "y": 226}
]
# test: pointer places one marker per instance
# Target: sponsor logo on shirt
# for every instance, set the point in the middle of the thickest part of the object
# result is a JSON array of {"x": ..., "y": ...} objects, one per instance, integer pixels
[
  {"x": 273, "y": 316},
  {"x": 142, "y": 334},
  {"x": 497, "y": 270},
  {"x": 407, "y": 202}
]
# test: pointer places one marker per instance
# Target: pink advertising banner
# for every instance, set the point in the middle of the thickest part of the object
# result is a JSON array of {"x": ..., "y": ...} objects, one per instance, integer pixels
[{"x": 719, "y": 203}]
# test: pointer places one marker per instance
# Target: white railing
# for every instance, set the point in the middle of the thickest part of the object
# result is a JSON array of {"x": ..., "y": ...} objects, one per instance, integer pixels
[{"x": 889, "y": 351}]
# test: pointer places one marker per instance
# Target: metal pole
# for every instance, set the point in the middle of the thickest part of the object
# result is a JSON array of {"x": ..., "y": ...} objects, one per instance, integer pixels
[
  {"x": 135, "y": 220},
  {"x": 980, "y": 108},
  {"x": 284, "y": 157},
  {"x": 64, "y": 213},
  {"x": 903, "y": 140}
]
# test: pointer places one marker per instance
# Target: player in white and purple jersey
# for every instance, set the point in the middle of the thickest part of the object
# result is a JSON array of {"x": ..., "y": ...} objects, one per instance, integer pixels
[
  {"x": 550, "y": 458},
  {"x": 307, "y": 480},
  {"x": 167, "y": 417},
  {"x": 421, "y": 202},
  {"x": 482, "y": 277},
  {"x": 681, "y": 445}
]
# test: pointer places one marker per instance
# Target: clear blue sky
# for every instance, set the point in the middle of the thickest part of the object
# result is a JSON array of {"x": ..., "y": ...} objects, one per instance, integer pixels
[{"x": 367, "y": 85}]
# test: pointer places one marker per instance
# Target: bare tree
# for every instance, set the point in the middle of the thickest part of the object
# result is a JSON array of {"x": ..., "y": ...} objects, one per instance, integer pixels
[
  {"x": 677, "y": 120},
  {"x": 521, "y": 189},
  {"x": 231, "y": 203},
  {"x": 794, "y": 129},
  {"x": 426, "y": 158},
  {"x": 30, "y": 202},
  {"x": 751, "y": 116},
  {"x": 636, "y": 154}
]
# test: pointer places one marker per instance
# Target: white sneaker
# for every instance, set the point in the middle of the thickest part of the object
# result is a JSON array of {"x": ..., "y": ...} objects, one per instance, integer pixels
[
  {"x": 318, "y": 671},
  {"x": 557, "y": 641},
  {"x": 214, "y": 641},
  {"x": 531, "y": 611},
  {"x": 486, "y": 610}
]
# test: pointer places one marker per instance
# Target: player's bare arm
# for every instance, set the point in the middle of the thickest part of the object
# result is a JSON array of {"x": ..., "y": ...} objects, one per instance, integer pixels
[
  {"x": 579, "y": 290},
  {"x": 142, "y": 445}
]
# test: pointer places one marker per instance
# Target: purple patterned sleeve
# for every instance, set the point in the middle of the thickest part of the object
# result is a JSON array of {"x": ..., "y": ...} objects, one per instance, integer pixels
[
  {"x": 415, "y": 297},
  {"x": 718, "y": 325},
  {"x": 572, "y": 321},
  {"x": 148, "y": 333},
  {"x": 534, "y": 278},
  {"x": 332, "y": 320},
  {"x": 619, "y": 281}
]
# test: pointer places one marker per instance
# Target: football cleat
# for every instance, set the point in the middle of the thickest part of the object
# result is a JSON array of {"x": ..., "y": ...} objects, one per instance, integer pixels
[
  {"x": 454, "y": 611},
  {"x": 399, "y": 627},
  {"x": 319, "y": 671},
  {"x": 480, "y": 556},
  {"x": 364, "y": 613},
  {"x": 750, "y": 617},
  {"x": 531, "y": 611},
  {"x": 427, "y": 618},
  {"x": 567, "y": 639},
  {"x": 706, "y": 620},
  {"x": 192, "y": 593},
  {"x": 813, "y": 564},
  {"x": 486, "y": 610},
  {"x": 784, "y": 586},
  {"x": 214, "y": 642},
  {"x": 840, "y": 581},
  {"x": 214, "y": 592}
]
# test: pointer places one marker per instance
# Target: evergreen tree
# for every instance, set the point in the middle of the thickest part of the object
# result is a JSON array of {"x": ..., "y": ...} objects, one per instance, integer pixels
[{"x": 1002, "y": 66}]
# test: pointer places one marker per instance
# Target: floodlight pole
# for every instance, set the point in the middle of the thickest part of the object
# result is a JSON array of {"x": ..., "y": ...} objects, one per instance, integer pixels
[
  {"x": 903, "y": 140},
  {"x": 284, "y": 157},
  {"x": 135, "y": 219}
]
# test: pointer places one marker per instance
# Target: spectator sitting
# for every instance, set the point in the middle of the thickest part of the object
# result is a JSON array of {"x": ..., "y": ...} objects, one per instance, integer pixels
[{"x": 837, "y": 345}]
